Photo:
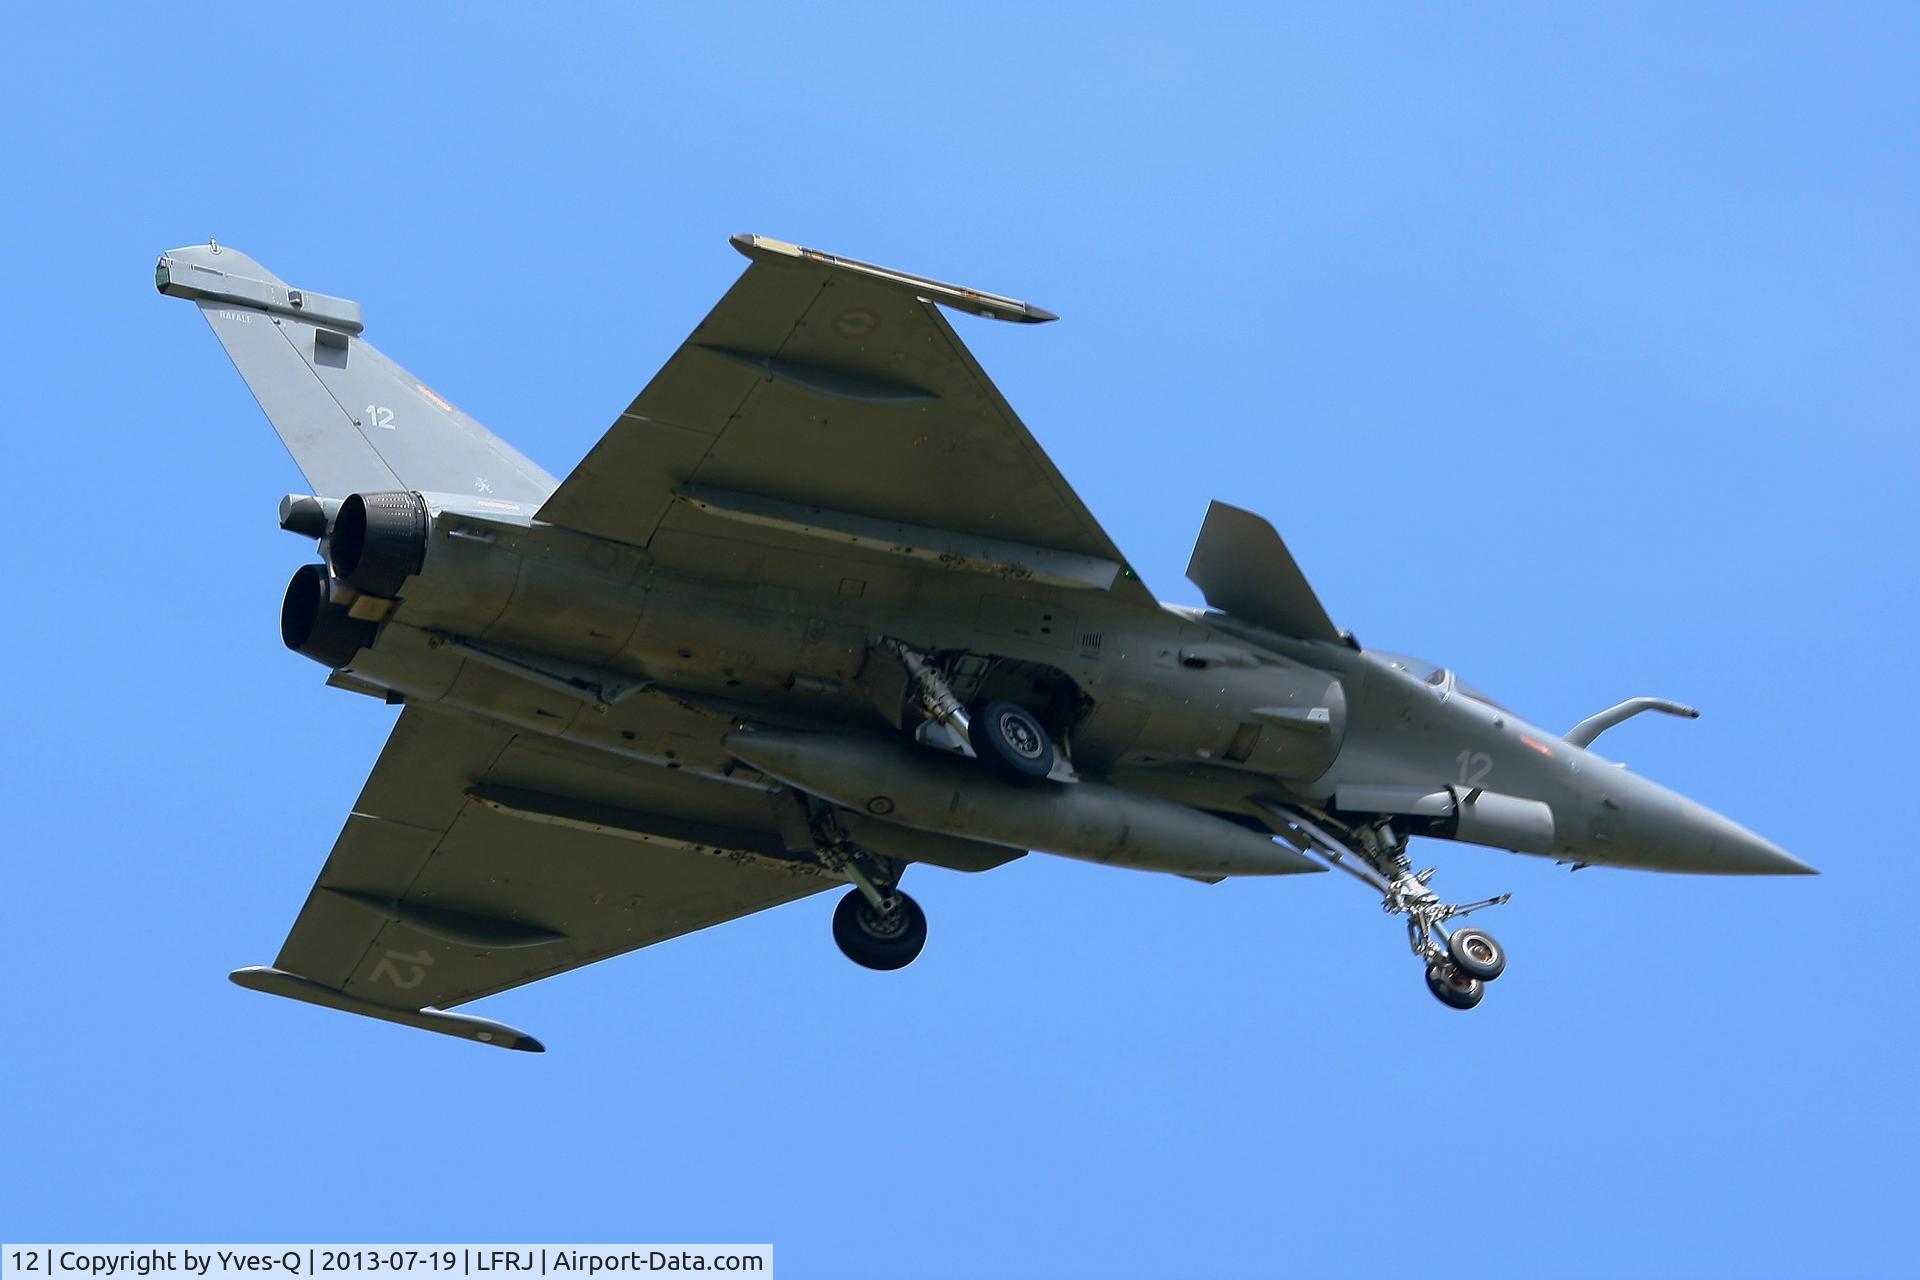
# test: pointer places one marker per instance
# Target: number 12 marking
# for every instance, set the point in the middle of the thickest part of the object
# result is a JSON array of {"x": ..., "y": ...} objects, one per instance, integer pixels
[{"x": 1474, "y": 767}]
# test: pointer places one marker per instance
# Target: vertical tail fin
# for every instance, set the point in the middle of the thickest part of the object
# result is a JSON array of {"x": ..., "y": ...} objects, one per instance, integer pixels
[{"x": 353, "y": 420}]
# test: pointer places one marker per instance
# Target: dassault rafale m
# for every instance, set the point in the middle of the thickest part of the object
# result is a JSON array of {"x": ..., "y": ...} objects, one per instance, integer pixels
[{"x": 816, "y": 608}]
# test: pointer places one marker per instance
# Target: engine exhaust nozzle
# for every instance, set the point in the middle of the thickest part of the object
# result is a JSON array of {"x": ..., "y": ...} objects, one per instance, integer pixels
[
  {"x": 314, "y": 627},
  {"x": 379, "y": 540}
]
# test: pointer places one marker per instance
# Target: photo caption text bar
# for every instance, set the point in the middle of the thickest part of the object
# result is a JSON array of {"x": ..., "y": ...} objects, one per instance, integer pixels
[{"x": 386, "y": 1261}]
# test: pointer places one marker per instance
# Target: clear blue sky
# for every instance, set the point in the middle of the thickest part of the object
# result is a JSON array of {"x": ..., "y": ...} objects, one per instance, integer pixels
[{"x": 1572, "y": 349}]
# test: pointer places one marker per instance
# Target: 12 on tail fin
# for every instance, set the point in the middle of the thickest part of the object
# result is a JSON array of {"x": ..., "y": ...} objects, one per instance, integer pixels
[{"x": 353, "y": 420}]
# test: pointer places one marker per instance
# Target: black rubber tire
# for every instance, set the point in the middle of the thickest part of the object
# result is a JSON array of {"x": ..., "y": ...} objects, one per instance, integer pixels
[
  {"x": 1007, "y": 737},
  {"x": 861, "y": 937},
  {"x": 1453, "y": 988},
  {"x": 1477, "y": 954}
]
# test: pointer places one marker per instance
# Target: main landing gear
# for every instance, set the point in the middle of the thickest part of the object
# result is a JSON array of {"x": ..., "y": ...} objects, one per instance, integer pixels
[
  {"x": 1459, "y": 962},
  {"x": 1008, "y": 738},
  {"x": 1004, "y": 736},
  {"x": 876, "y": 926},
  {"x": 880, "y": 937}
]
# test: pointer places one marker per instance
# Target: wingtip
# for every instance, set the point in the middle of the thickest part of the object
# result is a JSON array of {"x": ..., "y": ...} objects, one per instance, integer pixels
[
  {"x": 973, "y": 301},
  {"x": 519, "y": 1041},
  {"x": 761, "y": 248},
  {"x": 279, "y": 982}
]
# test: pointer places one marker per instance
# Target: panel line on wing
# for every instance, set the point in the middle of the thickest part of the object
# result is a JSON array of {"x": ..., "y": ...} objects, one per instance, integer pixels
[
  {"x": 945, "y": 548},
  {"x": 825, "y": 380}
]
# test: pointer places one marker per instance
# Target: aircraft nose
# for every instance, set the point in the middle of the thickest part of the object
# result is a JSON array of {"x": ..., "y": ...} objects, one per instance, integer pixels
[{"x": 1724, "y": 847}]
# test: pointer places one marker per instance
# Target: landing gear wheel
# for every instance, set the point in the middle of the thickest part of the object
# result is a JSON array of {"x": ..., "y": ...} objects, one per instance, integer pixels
[
  {"x": 1476, "y": 954},
  {"x": 1009, "y": 739},
  {"x": 877, "y": 941},
  {"x": 1454, "y": 988}
]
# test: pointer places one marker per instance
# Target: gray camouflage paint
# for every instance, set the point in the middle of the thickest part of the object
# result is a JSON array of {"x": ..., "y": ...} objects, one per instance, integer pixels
[{"x": 821, "y": 467}]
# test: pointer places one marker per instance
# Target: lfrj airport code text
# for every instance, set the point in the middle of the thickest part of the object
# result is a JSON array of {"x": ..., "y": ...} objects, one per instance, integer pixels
[{"x": 311, "y": 1261}]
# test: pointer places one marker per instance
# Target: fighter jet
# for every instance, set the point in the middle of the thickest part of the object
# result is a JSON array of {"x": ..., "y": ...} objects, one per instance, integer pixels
[{"x": 815, "y": 609}]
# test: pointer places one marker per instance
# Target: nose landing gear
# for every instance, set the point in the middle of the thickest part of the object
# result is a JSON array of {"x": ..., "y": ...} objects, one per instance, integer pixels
[
  {"x": 1475, "y": 953},
  {"x": 1459, "y": 962},
  {"x": 1453, "y": 988}
]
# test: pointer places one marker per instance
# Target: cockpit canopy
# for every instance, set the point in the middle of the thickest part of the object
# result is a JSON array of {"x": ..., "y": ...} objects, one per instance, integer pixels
[{"x": 1431, "y": 673}]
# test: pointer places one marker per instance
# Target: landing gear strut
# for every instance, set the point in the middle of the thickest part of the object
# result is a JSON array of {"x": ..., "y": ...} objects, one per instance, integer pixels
[
  {"x": 876, "y": 926},
  {"x": 1003, "y": 736},
  {"x": 1459, "y": 962}
]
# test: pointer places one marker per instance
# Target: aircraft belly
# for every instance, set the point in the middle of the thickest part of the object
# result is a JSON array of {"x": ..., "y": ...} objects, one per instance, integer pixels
[
  {"x": 644, "y": 728},
  {"x": 1277, "y": 719},
  {"x": 725, "y": 639},
  {"x": 770, "y": 626},
  {"x": 575, "y": 613},
  {"x": 1109, "y": 732}
]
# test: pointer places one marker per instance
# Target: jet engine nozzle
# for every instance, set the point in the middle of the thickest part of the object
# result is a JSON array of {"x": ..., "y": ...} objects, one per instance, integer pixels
[
  {"x": 379, "y": 541},
  {"x": 314, "y": 627}
]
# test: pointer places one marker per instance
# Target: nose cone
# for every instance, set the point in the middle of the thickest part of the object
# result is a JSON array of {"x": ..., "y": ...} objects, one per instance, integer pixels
[
  {"x": 1668, "y": 832},
  {"x": 1724, "y": 847},
  {"x": 1636, "y": 822}
]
